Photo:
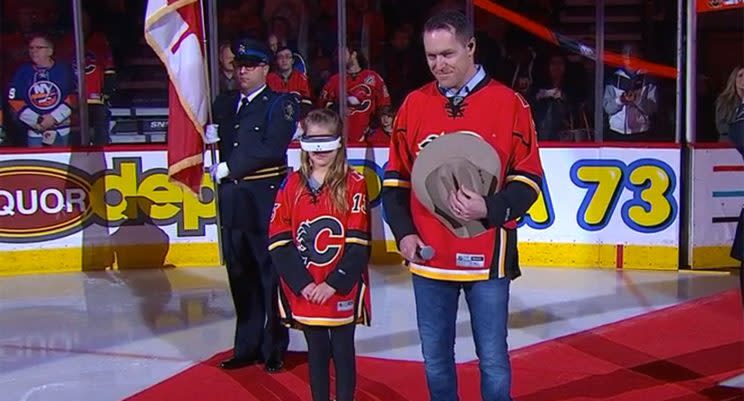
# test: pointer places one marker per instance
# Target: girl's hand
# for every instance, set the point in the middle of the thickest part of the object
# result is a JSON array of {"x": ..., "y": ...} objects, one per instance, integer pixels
[{"x": 321, "y": 293}]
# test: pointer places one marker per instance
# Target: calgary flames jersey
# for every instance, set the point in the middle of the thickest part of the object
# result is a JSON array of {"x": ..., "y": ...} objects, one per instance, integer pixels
[
  {"x": 366, "y": 92},
  {"x": 296, "y": 83},
  {"x": 98, "y": 63},
  {"x": 503, "y": 119},
  {"x": 312, "y": 242}
]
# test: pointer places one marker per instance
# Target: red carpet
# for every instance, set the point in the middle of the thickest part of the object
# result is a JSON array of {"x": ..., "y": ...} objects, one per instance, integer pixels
[{"x": 675, "y": 354}]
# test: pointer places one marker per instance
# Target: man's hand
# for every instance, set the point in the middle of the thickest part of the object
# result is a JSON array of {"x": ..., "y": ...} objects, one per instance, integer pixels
[
  {"x": 218, "y": 172},
  {"x": 211, "y": 135},
  {"x": 308, "y": 291},
  {"x": 47, "y": 122},
  {"x": 467, "y": 205},
  {"x": 408, "y": 247},
  {"x": 321, "y": 293}
]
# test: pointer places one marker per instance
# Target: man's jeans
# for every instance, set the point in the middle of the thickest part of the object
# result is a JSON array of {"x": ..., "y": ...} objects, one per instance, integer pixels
[{"x": 436, "y": 311}]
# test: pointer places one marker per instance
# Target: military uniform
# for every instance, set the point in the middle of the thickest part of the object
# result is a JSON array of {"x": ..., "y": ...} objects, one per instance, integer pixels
[{"x": 254, "y": 138}]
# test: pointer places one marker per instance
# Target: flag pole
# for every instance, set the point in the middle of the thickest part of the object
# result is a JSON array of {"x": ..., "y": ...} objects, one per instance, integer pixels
[{"x": 212, "y": 92}]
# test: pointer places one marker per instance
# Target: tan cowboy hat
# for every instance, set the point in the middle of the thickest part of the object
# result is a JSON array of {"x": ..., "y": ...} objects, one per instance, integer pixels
[{"x": 451, "y": 161}]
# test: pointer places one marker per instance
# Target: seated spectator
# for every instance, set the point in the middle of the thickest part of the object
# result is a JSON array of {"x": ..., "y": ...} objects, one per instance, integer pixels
[
  {"x": 228, "y": 81},
  {"x": 365, "y": 94},
  {"x": 630, "y": 101},
  {"x": 552, "y": 104},
  {"x": 42, "y": 95},
  {"x": 286, "y": 79},
  {"x": 730, "y": 100},
  {"x": 276, "y": 43}
]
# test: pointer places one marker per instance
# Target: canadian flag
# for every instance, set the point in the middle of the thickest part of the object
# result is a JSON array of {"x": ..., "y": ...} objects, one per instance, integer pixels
[{"x": 173, "y": 28}]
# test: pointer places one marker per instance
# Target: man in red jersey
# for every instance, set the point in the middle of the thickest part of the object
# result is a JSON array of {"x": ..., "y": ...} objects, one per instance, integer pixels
[
  {"x": 285, "y": 79},
  {"x": 462, "y": 99},
  {"x": 365, "y": 94},
  {"x": 100, "y": 77}
]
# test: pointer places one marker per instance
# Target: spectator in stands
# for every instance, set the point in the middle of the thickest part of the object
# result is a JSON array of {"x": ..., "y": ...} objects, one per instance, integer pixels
[
  {"x": 366, "y": 93},
  {"x": 368, "y": 27},
  {"x": 401, "y": 64},
  {"x": 285, "y": 79},
  {"x": 42, "y": 95},
  {"x": 729, "y": 100},
  {"x": 227, "y": 69},
  {"x": 380, "y": 136},
  {"x": 630, "y": 101},
  {"x": 100, "y": 77},
  {"x": 552, "y": 103}
]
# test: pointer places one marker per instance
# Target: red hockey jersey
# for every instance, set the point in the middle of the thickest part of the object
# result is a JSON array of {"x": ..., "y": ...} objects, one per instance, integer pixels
[
  {"x": 98, "y": 63},
  {"x": 503, "y": 119},
  {"x": 311, "y": 242},
  {"x": 296, "y": 83},
  {"x": 366, "y": 92}
]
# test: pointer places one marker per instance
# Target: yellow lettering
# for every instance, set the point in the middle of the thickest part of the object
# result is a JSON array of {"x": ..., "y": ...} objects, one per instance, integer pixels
[
  {"x": 195, "y": 212},
  {"x": 119, "y": 186},
  {"x": 165, "y": 197},
  {"x": 654, "y": 195},
  {"x": 607, "y": 181}
]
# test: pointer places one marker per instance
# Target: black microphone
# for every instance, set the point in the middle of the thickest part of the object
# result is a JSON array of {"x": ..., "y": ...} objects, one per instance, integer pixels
[{"x": 425, "y": 252}]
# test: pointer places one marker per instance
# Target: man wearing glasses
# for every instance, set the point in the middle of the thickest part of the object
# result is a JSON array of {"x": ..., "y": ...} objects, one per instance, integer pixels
[{"x": 254, "y": 127}]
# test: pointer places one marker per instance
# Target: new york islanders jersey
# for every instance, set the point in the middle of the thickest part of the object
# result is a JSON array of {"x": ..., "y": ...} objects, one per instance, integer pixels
[
  {"x": 35, "y": 91},
  {"x": 99, "y": 63},
  {"x": 503, "y": 119},
  {"x": 311, "y": 242},
  {"x": 296, "y": 83},
  {"x": 366, "y": 92}
]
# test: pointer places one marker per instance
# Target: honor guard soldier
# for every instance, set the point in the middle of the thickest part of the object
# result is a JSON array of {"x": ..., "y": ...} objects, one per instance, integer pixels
[{"x": 254, "y": 126}]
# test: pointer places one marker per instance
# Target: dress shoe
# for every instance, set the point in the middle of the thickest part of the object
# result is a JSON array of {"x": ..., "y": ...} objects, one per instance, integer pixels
[
  {"x": 274, "y": 364},
  {"x": 237, "y": 363}
]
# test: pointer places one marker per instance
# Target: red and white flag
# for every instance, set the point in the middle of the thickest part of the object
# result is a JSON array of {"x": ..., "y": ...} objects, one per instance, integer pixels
[{"x": 173, "y": 28}]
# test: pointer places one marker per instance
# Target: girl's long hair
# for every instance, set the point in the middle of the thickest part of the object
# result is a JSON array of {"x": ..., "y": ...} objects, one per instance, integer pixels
[
  {"x": 729, "y": 99},
  {"x": 335, "y": 179}
]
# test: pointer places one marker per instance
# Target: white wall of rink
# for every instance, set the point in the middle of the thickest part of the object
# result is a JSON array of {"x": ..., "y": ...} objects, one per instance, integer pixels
[{"x": 592, "y": 196}]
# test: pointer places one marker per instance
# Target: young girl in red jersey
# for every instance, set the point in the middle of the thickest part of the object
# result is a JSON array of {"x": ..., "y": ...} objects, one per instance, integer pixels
[{"x": 319, "y": 241}]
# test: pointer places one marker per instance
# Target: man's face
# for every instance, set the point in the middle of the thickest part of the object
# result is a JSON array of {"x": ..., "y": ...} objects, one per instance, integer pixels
[
  {"x": 251, "y": 75},
  {"x": 40, "y": 51},
  {"x": 284, "y": 60},
  {"x": 273, "y": 42},
  {"x": 226, "y": 59},
  {"x": 449, "y": 59}
]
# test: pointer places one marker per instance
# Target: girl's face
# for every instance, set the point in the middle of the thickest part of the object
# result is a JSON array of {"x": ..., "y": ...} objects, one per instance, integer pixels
[
  {"x": 321, "y": 159},
  {"x": 740, "y": 81}
]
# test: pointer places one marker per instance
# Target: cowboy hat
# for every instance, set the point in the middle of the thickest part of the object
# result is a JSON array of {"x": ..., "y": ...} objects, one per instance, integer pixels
[{"x": 451, "y": 161}]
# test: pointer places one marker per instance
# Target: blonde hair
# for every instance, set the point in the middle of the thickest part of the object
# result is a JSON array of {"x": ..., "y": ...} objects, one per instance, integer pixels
[
  {"x": 729, "y": 99},
  {"x": 335, "y": 179}
]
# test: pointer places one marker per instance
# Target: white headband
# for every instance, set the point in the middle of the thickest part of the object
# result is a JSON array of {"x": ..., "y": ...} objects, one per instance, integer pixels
[{"x": 320, "y": 143}]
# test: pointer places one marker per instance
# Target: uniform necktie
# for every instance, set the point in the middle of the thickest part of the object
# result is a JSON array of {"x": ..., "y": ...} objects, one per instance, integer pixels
[{"x": 243, "y": 105}]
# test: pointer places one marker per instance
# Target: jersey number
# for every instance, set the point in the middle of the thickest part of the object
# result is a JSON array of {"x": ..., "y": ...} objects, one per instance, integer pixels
[{"x": 359, "y": 204}]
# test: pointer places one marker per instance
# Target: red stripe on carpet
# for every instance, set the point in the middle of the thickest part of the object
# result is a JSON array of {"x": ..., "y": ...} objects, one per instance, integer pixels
[{"x": 675, "y": 354}]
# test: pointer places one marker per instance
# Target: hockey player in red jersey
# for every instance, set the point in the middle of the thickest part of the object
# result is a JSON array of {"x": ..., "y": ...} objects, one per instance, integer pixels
[
  {"x": 462, "y": 99},
  {"x": 319, "y": 241},
  {"x": 285, "y": 79},
  {"x": 366, "y": 93}
]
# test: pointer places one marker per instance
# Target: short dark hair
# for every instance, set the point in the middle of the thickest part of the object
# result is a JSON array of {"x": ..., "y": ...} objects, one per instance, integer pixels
[{"x": 453, "y": 21}]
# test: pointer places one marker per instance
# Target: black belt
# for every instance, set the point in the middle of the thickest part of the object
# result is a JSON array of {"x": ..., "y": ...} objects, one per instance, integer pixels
[{"x": 267, "y": 173}]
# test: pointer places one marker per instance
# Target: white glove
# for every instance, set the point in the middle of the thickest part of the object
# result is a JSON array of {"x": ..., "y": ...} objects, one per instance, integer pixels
[
  {"x": 219, "y": 171},
  {"x": 353, "y": 100},
  {"x": 210, "y": 135}
]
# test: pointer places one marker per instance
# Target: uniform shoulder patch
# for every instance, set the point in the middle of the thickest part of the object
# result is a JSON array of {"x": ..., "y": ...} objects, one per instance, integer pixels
[{"x": 289, "y": 110}]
